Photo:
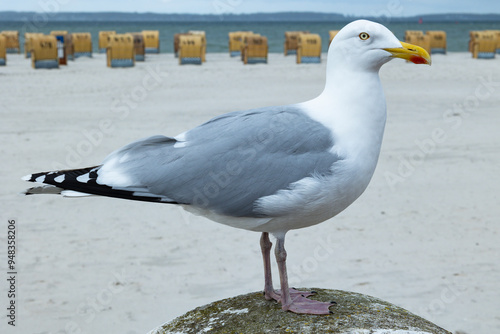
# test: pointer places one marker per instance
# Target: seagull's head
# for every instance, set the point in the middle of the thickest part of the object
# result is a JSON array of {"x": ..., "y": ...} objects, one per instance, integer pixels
[{"x": 368, "y": 45}]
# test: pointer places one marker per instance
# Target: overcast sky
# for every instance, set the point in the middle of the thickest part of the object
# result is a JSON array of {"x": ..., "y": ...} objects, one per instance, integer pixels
[{"x": 358, "y": 8}]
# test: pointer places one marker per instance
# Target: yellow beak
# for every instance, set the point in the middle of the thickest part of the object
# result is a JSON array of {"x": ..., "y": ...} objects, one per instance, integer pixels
[{"x": 411, "y": 52}]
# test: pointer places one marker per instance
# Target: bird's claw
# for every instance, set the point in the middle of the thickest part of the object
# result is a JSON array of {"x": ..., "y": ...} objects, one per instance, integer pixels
[
  {"x": 300, "y": 303},
  {"x": 303, "y": 305}
]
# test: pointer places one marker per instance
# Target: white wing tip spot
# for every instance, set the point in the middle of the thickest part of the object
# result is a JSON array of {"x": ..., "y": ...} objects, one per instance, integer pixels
[
  {"x": 60, "y": 178},
  {"x": 40, "y": 179},
  {"x": 83, "y": 178}
]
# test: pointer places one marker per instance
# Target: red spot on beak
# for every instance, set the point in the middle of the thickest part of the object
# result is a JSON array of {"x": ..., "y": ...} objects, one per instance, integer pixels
[{"x": 418, "y": 60}]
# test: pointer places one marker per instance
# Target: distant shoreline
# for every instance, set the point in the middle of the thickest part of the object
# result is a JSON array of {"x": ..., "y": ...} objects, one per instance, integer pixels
[{"x": 387, "y": 17}]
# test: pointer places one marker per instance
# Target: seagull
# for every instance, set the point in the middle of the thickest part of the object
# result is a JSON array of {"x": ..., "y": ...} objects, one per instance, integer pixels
[{"x": 271, "y": 169}]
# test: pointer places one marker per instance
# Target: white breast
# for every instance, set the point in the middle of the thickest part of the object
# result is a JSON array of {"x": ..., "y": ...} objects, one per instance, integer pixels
[{"x": 357, "y": 126}]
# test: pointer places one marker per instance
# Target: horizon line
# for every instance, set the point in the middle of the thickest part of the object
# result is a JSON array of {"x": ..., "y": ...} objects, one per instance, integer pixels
[{"x": 243, "y": 14}]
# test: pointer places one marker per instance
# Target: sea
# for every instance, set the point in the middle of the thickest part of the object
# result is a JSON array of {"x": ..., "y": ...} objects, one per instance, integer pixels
[{"x": 217, "y": 32}]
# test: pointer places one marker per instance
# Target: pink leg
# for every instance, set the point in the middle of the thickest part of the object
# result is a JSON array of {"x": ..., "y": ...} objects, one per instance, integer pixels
[
  {"x": 296, "y": 301},
  {"x": 265, "y": 246},
  {"x": 269, "y": 292}
]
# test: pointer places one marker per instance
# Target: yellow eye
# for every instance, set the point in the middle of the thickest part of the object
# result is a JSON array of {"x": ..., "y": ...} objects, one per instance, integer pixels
[{"x": 364, "y": 36}]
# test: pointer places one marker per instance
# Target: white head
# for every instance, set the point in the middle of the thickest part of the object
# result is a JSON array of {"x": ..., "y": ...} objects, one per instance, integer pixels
[{"x": 365, "y": 45}]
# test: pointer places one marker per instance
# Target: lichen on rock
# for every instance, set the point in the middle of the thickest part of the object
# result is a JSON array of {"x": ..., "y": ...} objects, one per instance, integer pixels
[{"x": 353, "y": 313}]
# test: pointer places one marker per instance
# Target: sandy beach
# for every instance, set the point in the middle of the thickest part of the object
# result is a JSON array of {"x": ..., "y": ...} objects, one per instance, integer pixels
[{"x": 424, "y": 235}]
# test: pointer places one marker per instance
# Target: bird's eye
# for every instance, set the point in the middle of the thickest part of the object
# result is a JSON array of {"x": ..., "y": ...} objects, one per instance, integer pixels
[{"x": 364, "y": 36}]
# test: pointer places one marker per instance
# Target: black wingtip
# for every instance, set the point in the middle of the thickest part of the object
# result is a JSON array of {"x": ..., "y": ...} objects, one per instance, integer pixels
[{"x": 56, "y": 182}]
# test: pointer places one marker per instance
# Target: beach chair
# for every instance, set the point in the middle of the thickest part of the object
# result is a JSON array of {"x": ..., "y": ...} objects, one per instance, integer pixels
[
  {"x": 418, "y": 38},
  {"x": 255, "y": 49},
  {"x": 44, "y": 52},
  {"x": 291, "y": 42},
  {"x": 236, "y": 42},
  {"x": 151, "y": 41},
  {"x": 12, "y": 41},
  {"x": 139, "y": 46},
  {"x": 190, "y": 49},
  {"x": 437, "y": 41},
  {"x": 3, "y": 50},
  {"x": 332, "y": 34},
  {"x": 82, "y": 44},
  {"x": 103, "y": 40},
  {"x": 177, "y": 42},
  {"x": 203, "y": 42},
  {"x": 308, "y": 49},
  {"x": 28, "y": 40},
  {"x": 244, "y": 38},
  {"x": 411, "y": 34},
  {"x": 120, "y": 50},
  {"x": 484, "y": 45}
]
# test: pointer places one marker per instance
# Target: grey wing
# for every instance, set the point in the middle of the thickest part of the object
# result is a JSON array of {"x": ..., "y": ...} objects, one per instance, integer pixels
[{"x": 228, "y": 163}]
